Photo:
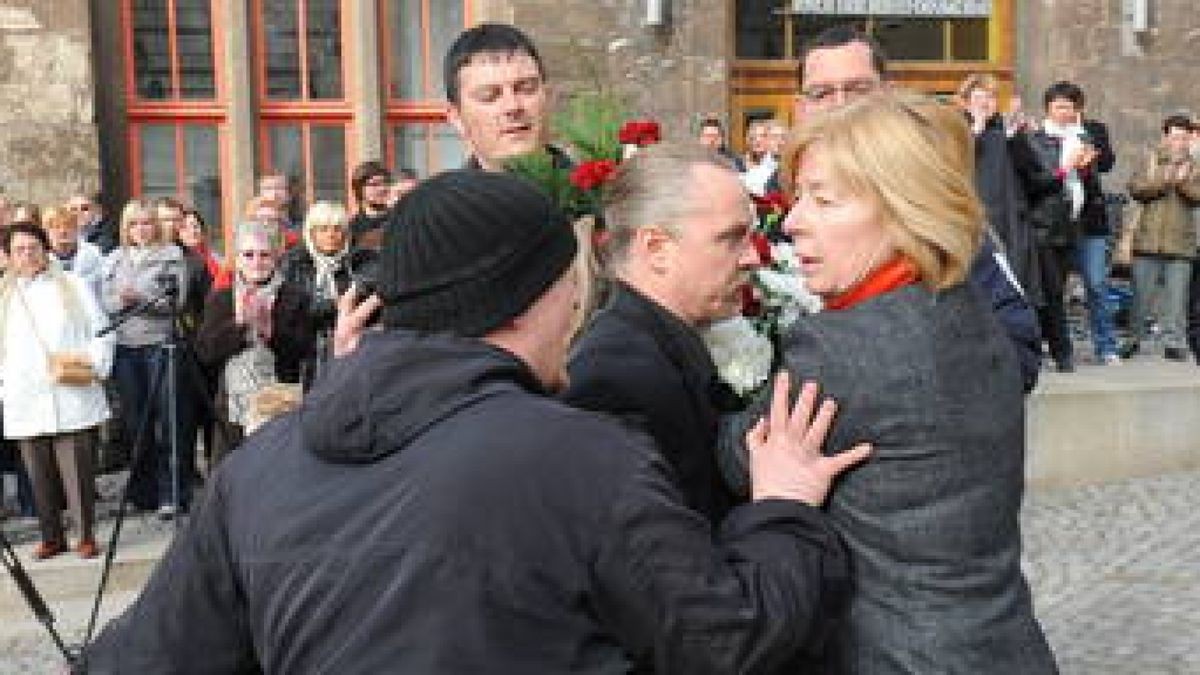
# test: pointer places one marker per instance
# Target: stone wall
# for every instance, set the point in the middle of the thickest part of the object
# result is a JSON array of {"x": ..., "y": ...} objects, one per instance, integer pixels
[
  {"x": 47, "y": 120},
  {"x": 1132, "y": 82},
  {"x": 673, "y": 74}
]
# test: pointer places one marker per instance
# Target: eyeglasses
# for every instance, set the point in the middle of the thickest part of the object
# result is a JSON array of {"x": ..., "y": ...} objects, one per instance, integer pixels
[
  {"x": 261, "y": 255},
  {"x": 823, "y": 93},
  {"x": 79, "y": 208}
]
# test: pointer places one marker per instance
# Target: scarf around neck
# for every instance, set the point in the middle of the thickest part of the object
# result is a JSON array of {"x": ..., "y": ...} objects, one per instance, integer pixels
[
  {"x": 1069, "y": 135},
  {"x": 892, "y": 275}
]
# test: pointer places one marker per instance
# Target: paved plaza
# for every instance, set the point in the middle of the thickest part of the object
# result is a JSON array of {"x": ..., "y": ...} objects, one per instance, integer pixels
[{"x": 1115, "y": 571}]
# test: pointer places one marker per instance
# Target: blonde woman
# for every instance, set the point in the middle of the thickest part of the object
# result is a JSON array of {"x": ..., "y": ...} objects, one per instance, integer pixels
[
  {"x": 141, "y": 278},
  {"x": 45, "y": 315},
  {"x": 885, "y": 223},
  {"x": 323, "y": 267}
]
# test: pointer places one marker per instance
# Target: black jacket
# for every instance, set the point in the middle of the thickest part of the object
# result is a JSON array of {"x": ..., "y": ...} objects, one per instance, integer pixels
[
  {"x": 1005, "y": 166},
  {"x": 639, "y": 362},
  {"x": 1093, "y": 218},
  {"x": 429, "y": 509},
  {"x": 220, "y": 337},
  {"x": 298, "y": 269}
]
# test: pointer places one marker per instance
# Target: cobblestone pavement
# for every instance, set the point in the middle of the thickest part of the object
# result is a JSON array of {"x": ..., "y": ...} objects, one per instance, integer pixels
[{"x": 1115, "y": 571}]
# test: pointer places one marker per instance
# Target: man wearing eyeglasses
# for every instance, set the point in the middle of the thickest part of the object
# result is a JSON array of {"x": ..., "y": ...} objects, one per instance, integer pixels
[{"x": 842, "y": 64}]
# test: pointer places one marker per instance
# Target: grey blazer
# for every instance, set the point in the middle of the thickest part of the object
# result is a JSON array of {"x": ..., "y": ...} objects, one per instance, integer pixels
[{"x": 930, "y": 520}]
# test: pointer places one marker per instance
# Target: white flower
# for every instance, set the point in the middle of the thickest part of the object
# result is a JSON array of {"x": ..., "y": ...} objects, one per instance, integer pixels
[
  {"x": 787, "y": 289},
  {"x": 784, "y": 255},
  {"x": 742, "y": 356}
]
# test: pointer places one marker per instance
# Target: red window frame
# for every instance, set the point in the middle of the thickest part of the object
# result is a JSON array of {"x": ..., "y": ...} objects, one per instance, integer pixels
[
  {"x": 303, "y": 111},
  {"x": 174, "y": 110},
  {"x": 432, "y": 108}
]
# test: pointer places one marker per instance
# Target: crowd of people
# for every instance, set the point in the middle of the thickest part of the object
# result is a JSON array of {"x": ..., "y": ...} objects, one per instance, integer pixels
[
  {"x": 1050, "y": 214},
  {"x": 446, "y": 488},
  {"x": 128, "y": 295}
]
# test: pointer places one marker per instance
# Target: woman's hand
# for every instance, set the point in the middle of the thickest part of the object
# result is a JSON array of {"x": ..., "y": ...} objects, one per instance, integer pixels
[{"x": 785, "y": 448}]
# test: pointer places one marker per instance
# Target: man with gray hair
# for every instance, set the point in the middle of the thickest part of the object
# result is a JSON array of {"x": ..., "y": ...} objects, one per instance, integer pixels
[{"x": 679, "y": 248}]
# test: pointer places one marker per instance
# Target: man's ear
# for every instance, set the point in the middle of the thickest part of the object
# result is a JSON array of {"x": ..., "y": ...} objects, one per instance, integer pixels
[
  {"x": 455, "y": 120},
  {"x": 797, "y": 108},
  {"x": 655, "y": 246}
]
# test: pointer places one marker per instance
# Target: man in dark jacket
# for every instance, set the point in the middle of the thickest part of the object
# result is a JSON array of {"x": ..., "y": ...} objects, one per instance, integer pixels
[
  {"x": 678, "y": 267},
  {"x": 1071, "y": 222},
  {"x": 465, "y": 521}
]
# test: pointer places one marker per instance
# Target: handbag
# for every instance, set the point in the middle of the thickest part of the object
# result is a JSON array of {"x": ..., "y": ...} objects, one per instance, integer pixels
[
  {"x": 71, "y": 369},
  {"x": 66, "y": 368}
]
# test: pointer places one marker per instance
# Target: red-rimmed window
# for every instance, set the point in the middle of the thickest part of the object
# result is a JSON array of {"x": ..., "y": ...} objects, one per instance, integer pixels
[
  {"x": 416, "y": 35},
  {"x": 175, "y": 111},
  {"x": 304, "y": 94}
]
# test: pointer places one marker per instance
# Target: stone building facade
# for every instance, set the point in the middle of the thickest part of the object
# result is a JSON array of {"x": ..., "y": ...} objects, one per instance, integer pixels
[
  {"x": 48, "y": 134},
  {"x": 1132, "y": 80},
  {"x": 68, "y": 120}
]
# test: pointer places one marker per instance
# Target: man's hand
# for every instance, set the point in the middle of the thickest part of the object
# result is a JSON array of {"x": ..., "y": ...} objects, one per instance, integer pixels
[
  {"x": 352, "y": 320},
  {"x": 785, "y": 448}
]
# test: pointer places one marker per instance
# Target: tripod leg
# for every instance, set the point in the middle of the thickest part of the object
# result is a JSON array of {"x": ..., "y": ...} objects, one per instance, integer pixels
[
  {"x": 139, "y": 447},
  {"x": 8, "y": 558}
]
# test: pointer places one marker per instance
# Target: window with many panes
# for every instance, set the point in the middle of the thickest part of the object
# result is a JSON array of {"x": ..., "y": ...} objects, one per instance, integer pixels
[
  {"x": 174, "y": 111},
  {"x": 305, "y": 113},
  {"x": 416, "y": 35}
]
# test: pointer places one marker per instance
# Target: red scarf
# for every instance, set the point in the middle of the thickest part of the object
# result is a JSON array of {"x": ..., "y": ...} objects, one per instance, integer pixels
[{"x": 895, "y": 273}]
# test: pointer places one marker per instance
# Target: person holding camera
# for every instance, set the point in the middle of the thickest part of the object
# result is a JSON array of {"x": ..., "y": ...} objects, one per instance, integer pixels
[
  {"x": 1071, "y": 225},
  {"x": 255, "y": 333},
  {"x": 51, "y": 365},
  {"x": 325, "y": 266},
  {"x": 142, "y": 282}
]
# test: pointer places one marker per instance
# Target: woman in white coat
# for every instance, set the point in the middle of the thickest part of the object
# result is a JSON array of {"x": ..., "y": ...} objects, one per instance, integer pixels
[{"x": 50, "y": 317}]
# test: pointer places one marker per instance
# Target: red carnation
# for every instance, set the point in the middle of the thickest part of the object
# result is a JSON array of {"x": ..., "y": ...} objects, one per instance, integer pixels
[
  {"x": 762, "y": 246},
  {"x": 589, "y": 175},
  {"x": 640, "y": 133},
  {"x": 772, "y": 202},
  {"x": 751, "y": 305}
]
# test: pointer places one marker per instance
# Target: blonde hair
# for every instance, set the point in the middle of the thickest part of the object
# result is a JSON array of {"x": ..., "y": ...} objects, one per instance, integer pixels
[
  {"x": 914, "y": 155},
  {"x": 56, "y": 215},
  {"x": 984, "y": 81},
  {"x": 325, "y": 214},
  {"x": 132, "y": 209}
]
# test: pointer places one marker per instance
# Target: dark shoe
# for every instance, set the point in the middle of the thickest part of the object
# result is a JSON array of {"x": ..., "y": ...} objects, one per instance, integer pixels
[
  {"x": 1175, "y": 354},
  {"x": 48, "y": 549},
  {"x": 1129, "y": 349},
  {"x": 87, "y": 549},
  {"x": 1064, "y": 365}
]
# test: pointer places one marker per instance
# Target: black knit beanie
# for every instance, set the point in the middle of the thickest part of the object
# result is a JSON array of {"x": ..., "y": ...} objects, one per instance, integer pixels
[{"x": 466, "y": 251}]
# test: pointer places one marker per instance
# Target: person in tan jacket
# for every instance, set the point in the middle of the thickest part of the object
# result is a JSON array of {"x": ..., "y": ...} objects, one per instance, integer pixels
[{"x": 1162, "y": 240}]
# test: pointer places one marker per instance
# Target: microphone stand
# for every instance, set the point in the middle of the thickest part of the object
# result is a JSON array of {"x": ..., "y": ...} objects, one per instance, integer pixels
[{"x": 164, "y": 371}]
